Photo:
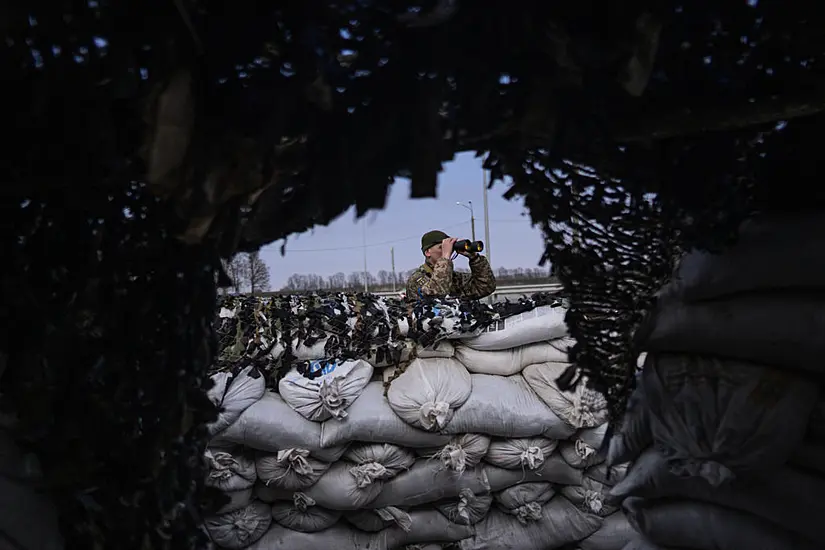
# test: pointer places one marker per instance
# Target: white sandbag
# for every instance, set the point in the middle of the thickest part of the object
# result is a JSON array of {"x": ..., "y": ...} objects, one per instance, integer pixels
[
  {"x": 614, "y": 534},
  {"x": 715, "y": 418},
  {"x": 347, "y": 486},
  {"x": 443, "y": 349},
  {"x": 382, "y": 460},
  {"x": 290, "y": 469},
  {"x": 505, "y": 406},
  {"x": 234, "y": 394},
  {"x": 237, "y": 500},
  {"x": 428, "y": 392},
  {"x": 271, "y": 425},
  {"x": 582, "y": 450},
  {"x": 522, "y": 453},
  {"x": 537, "y": 325},
  {"x": 704, "y": 526},
  {"x": 378, "y": 519},
  {"x": 303, "y": 515},
  {"x": 230, "y": 471},
  {"x": 769, "y": 328},
  {"x": 511, "y": 361},
  {"x": 313, "y": 352},
  {"x": 371, "y": 419},
  {"x": 786, "y": 497},
  {"x": 239, "y": 529},
  {"x": 339, "y": 535},
  {"x": 462, "y": 452},
  {"x": 329, "y": 395},
  {"x": 469, "y": 509},
  {"x": 524, "y": 501},
  {"x": 581, "y": 407},
  {"x": 560, "y": 524},
  {"x": 428, "y": 481},
  {"x": 773, "y": 253},
  {"x": 29, "y": 518},
  {"x": 633, "y": 434},
  {"x": 553, "y": 470},
  {"x": 590, "y": 497}
]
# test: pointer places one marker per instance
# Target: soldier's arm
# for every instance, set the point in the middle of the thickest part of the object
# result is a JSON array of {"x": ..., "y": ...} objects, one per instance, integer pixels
[
  {"x": 481, "y": 281},
  {"x": 440, "y": 282}
]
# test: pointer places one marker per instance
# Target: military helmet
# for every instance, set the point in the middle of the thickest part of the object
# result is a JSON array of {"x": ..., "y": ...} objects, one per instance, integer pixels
[{"x": 432, "y": 238}]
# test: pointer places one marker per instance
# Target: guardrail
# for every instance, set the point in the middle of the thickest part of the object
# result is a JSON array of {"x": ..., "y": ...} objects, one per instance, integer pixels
[{"x": 514, "y": 290}]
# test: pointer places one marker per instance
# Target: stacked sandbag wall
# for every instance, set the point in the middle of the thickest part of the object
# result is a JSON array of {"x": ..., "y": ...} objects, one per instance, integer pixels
[
  {"x": 726, "y": 428},
  {"x": 470, "y": 445}
]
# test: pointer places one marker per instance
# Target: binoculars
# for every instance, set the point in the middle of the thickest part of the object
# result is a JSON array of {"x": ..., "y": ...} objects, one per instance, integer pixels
[{"x": 466, "y": 245}]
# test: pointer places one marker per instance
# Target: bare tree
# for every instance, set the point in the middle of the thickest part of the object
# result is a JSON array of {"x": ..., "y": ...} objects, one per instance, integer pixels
[
  {"x": 236, "y": 267},
  {"x": 257, "y": 274}
]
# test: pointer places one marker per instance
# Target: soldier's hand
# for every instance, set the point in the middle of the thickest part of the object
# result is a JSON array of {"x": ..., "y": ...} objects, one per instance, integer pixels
[{"x": 447, "y": 247}]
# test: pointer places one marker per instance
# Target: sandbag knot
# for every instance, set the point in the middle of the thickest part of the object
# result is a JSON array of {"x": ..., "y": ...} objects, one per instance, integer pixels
[
  {"x": 533, "y": 457},
  {"x": 528, "y": 512},
  {"x": 366, "y": 474},
  {"x": 331, "y": 400},
  {"x": 434, "y": 415}
]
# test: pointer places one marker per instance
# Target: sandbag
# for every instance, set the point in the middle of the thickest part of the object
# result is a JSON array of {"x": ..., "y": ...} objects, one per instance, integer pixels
[
  {"x": 590, "y": 497},
  {"x": 703, "y": 526},
  {"x": 303, "y": 515},
  {"x": 511, "y": 361},
  {"x": 427, "y": 526},
  {"x": 608, "y": 475},
  {"x": 230, "y": 471},
  {"x": 537, "y": 325},
  {"x": 769, "y": 328},
  {"x": 237, "y": 500},
  {"x": 428, "y": 481},
  {"x": 614, "y": 534},
  {"x": 328, "y": 395},
  {"x": 524, "y": 501},
  {"x": 271, "y": 425},
  {"x": 290, "y": 469},
  {"x": 382, "y": 460},
  {"x": 716, "y": 418},
  {"x": 786, "y": 497},
  {"x": 774, "y": 253},
  {"x": 505, "y": 406},
  {"x": 582, "y": 450},
  {"x": 469, "y": 509},
  {"x": 809, "y": 456},
  {"x": 29, "y": 519},
  {"x": 641, "y": 543},
  {"x": 553, "y": 470},
  {"x": 371, "y": 419},
  {"x": 560, "y": 524},
  {"x": 522, "y": 453},
  {"x": 234, "y": 394},
  {"x": 428, "y": 392},
  {"x": 377, "y": 519},
  {"x": 345, "y": 486},
  {"x": 339, "y": 535},
  {"x": 581, "y": 407},
  {"x": 239, "y": 529},
  {"x": 462, "y": 452},
  {"x": 442, "y": 349},
  {"x": 634, "y": 433}
]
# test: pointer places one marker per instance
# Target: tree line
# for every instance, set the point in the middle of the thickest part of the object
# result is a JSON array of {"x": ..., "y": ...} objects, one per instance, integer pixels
[
  {"x": 248, "y": 272},
  {"x": 384, "y": 280}
]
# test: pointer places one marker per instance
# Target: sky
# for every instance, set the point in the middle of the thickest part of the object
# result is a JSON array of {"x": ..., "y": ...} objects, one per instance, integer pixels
[{"x": 339, "y": 246}]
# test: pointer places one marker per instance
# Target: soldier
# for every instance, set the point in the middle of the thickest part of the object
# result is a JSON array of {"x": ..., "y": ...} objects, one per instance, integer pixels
[{"x": 436, "y": 277}]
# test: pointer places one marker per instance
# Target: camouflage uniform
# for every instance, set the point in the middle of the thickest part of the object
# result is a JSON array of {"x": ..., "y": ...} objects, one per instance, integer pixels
[{"x": 441, "y": 280}]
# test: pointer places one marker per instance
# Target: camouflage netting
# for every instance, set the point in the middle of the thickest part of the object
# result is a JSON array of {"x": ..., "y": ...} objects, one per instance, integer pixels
[{"x": 145, "y": 139}]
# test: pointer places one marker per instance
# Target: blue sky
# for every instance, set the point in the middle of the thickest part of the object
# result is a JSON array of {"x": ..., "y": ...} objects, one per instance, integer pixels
[{"x": 339, "y": 246}]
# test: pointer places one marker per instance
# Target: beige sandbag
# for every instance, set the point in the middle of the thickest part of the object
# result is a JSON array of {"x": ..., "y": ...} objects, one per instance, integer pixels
[
  {"x": 329, "y": 395},
  {"x": 512, "y": 361},
  {"x": 427, "y": 394}
]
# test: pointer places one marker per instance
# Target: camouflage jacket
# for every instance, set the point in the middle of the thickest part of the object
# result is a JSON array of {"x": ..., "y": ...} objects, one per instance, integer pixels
[{"x": 440, "y": 279}]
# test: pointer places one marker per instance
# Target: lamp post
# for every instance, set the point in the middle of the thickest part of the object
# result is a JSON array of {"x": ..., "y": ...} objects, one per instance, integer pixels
[
  {"x": 486, "y": 221},
  {"x": 469, "y": 206}
]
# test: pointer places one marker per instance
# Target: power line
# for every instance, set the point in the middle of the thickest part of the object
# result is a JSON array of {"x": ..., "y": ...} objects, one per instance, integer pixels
[{"x": 385, "y": 243}]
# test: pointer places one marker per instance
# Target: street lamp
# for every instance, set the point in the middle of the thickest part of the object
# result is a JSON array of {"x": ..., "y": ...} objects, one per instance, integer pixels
[{"x": 469, "y": 206}]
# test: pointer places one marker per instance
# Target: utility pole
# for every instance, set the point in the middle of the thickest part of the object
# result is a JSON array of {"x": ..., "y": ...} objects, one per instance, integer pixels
[
  {"x": 472, "y": 217},
  {"x": 364, "y": 228},
  {"x": 392, "y": 259},
  {"x": 486, "y": 221}
]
